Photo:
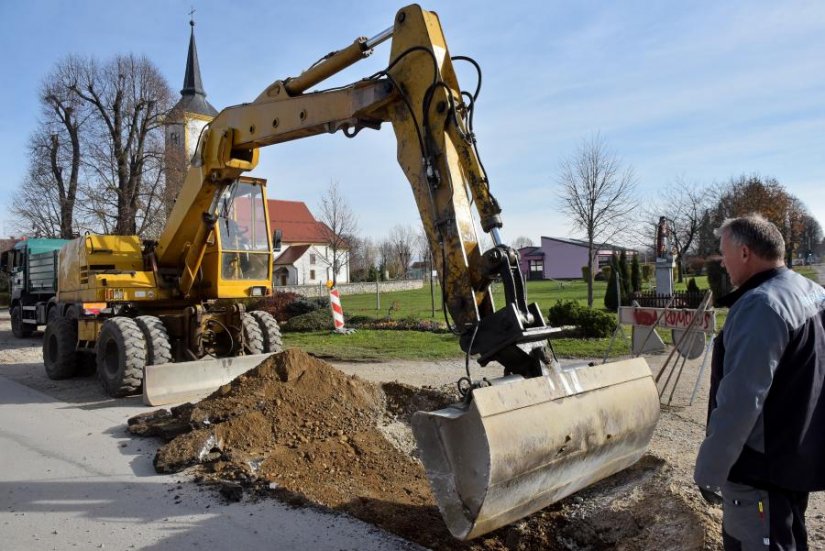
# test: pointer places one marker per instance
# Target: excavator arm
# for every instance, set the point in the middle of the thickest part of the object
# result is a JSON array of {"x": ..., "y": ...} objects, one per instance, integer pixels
[
  {"x": 420, "y": 96},
  {"x": 516, "y": 443}
]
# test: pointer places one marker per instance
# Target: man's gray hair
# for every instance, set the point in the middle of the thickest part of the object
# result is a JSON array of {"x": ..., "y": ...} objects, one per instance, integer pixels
[{"x": 755, "y": 232}]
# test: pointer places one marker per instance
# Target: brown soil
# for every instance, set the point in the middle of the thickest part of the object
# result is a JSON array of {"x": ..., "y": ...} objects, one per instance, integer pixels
[{"x": 297, "y": 429}]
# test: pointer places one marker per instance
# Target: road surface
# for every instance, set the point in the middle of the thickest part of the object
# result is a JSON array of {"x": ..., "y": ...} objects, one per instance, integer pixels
[{"x": 71, "y": 477}]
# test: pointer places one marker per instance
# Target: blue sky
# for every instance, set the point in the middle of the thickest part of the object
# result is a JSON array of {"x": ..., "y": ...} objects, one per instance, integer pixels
[{"x": 699, "y": 90}]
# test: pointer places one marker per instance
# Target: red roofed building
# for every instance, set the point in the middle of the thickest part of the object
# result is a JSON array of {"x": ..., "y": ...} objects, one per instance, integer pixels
[{"x": 305, "y": 258}]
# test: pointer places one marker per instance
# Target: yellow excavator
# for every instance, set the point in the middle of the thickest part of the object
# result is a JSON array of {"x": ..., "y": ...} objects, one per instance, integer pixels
[{"x": 517, "y": 442}]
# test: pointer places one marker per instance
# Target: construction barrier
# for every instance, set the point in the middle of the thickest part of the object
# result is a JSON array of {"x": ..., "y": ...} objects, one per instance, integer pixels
[{"x": 337, "y": 310}]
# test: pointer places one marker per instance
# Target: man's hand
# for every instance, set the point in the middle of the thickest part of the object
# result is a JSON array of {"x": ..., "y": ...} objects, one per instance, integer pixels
[{"x": 711, "y": 495}]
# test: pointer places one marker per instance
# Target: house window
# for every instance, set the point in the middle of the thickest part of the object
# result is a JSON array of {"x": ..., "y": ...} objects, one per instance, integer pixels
[
  {"x": 535, "y": 269},
  {"x": 312, "y": 258},
  {"x": 312, "y": 274}
]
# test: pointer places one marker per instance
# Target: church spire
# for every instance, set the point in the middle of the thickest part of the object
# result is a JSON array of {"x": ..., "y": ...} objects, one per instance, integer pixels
[
  {"x": 193, "y": 96},
  {"x": 192, "y": 83}
]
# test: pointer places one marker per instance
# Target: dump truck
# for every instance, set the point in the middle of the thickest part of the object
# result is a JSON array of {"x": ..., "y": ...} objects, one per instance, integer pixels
[
  {"x": 31, "y": 265},
  {"x": 519, "y": 440}
]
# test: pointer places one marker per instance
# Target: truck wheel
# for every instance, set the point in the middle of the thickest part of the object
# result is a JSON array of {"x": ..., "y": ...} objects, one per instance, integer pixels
[
  {"x": 253, "y": 338},
  {"x": 18, "y": 328},
  {"x": 158, "y": 347},
  {"x": 60, "y": 349},
  {"x": 121, "y": 356},
  {"x": 271, "y": 331}
]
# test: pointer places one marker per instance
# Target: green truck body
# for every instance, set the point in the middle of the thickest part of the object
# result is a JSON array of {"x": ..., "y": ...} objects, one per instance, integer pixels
[{"x": 32, "y": 268}]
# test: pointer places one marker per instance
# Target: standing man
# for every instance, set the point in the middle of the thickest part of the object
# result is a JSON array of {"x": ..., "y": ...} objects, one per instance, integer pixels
[{"x": 765, "y": 443}]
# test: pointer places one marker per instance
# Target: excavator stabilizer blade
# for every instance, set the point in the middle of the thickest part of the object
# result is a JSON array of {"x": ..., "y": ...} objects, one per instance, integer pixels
[
  {"x": 174, "y": 383},
  {"x": 522, "y": 444}
]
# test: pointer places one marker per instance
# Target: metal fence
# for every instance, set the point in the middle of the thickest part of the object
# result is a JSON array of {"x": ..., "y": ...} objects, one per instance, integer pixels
[{"x": 684, "y": 299}]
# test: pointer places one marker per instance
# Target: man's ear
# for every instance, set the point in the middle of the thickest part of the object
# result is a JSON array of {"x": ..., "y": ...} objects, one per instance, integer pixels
[{"x": 745, "y": 252}]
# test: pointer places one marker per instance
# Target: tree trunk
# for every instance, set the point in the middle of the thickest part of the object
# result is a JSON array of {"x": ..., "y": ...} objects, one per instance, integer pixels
[{"x": 590, "y": 275}]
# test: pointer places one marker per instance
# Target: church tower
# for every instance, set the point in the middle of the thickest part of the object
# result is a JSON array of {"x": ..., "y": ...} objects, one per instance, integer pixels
[{"x": 185, "y": 123}]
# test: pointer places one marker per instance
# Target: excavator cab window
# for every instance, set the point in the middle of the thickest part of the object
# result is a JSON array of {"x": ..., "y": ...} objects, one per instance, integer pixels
[{"x": 245, "y": 245}]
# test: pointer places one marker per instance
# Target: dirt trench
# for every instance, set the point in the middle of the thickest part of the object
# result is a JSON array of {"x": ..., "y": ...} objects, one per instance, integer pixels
[{"x": 299, "y": 430}]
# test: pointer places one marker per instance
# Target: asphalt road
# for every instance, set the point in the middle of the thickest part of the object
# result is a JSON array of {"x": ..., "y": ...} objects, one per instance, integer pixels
[{"x": 71, "y": 477}]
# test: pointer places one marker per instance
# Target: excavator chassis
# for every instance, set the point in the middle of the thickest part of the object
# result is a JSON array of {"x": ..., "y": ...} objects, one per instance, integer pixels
[{"x": 522, "y": 444}]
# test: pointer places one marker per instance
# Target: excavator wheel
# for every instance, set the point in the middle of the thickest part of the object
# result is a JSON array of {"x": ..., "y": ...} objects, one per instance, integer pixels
[
  {"x": 271, "y": 332},
  {"x": 54, "y": 313},
  {"x": 158, "y": 347},
  {"x": 253, "y": 337},
  {"x": 59, "y": 349},
  {"x": 121, "y": 356},
  {"x": 18, "y": 328}
]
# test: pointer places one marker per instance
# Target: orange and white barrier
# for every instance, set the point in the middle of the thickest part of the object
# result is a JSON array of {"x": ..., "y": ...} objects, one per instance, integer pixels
[{"x": 337, "y": 310}]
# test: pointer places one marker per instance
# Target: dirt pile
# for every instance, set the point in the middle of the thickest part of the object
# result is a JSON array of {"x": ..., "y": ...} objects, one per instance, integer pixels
[{"x": 297, "y": 429}]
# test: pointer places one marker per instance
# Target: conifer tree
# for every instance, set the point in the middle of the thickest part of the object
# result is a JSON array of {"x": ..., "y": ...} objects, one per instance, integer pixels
[{"x": 611, "y": 296}]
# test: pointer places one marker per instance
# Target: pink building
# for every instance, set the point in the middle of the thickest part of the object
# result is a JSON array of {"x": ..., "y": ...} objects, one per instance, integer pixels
[{"x": 563, "y": 258}]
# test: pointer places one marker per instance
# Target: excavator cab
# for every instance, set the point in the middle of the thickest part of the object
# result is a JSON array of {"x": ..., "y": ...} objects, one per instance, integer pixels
[
  {"x": 242, "y": 233},
  {"x": 237, "y": 258}
]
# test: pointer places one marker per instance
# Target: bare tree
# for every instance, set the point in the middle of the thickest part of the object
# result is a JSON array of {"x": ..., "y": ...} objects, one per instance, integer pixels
[
  {"x": 811, "y": 234},
  {"x": 50, "y": 190},
  {"x": 128, "y": 97},
  {"x": 403, "y": 241},
  {"x": 36, "y": 205},
  {"x": 683, "y": 204},
  {"x": 362, "y": 258},
  {"x": 387, "y": 260},
  {"x": 340, "y": 224},
  {"x": 597, "y": 194},
  {"x": 522, "y": 241}
]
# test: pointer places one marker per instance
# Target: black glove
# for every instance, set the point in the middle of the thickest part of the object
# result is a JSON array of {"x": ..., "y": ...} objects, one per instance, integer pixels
[{"x": 711, "y": 496}]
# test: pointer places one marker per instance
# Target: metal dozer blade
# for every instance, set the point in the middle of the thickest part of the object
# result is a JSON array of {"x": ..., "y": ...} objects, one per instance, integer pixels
[
  {"x": 174, "y": 383},
  {"x": 521, "y": 442}
]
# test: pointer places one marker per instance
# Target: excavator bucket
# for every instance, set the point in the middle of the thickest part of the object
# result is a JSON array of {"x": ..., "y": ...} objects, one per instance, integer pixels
[
  {"x": 522, "y": 444},
  {"x": 173, "y": 383}
]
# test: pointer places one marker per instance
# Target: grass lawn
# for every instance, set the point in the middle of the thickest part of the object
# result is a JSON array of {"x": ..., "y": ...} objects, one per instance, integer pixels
[
  {"x": 415, "y": 345},
  {"x": 376, "y": 345}
]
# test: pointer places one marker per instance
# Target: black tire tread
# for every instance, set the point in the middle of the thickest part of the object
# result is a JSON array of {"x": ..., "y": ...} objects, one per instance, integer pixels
[
  {"x": 129, "y": 337},
  {"x": 158, "y": 346},
  {"x": 273, "y": 342},
  {"x": 252, "y": 335},
  {"x": 64, "y": 333},
  {"x": 18, "y": 328}
]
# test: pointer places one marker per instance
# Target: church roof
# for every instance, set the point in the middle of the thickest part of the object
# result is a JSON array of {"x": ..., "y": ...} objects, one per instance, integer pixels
[
  {"x": 296, "y": 222},
  {"x": 193, "y": 96}
]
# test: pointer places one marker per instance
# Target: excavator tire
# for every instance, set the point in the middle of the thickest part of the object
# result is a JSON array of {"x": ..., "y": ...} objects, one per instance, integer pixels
[
  {"x": 59, "y": 349},
  {"x": 158, "y": 347},
  {"x": 253, "y": 337},
  {"x": 18, "y": 328},
  {"x": 271, "y": 332},
  {"x": 54, "y": 313},
  {"x": 121, "y": 356}
]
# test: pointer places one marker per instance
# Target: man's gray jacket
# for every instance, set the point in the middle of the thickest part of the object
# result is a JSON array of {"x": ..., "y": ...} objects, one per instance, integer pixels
[{"x": 766, "y": 426}]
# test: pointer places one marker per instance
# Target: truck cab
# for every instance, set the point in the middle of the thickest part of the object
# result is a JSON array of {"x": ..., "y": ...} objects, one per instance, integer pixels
[{"x": 32, "y": 268}]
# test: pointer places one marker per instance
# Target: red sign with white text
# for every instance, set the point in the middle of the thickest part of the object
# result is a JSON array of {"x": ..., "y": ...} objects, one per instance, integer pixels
[{"x": 670, "y": 318}]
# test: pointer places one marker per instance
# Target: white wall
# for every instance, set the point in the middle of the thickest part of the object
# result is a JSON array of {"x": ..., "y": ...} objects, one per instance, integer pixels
[{"x": 309, "y": 273}]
